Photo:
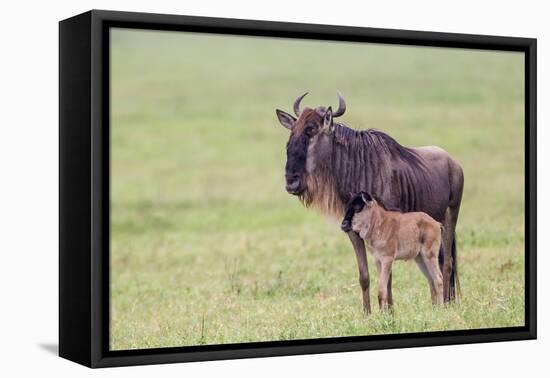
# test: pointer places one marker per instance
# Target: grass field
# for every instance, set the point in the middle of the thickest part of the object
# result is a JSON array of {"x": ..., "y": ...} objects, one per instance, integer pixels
[{"x": 206, "y": 245}]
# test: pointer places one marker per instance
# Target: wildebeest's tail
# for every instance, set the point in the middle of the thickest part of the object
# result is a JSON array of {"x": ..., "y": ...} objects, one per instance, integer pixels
[
  {"x": 454, "y": 287},
  {"x": 454, "y": 284}
]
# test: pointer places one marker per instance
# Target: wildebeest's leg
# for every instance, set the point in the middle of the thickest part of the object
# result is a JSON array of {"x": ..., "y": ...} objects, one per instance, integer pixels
[
  {"x": 390, "y": 296},
  {"x": 430, "y": 261},
  {"x": 424, "y": 269},
  {"x": 362, "y": 263},
  {"x": 383, "y": 279}
]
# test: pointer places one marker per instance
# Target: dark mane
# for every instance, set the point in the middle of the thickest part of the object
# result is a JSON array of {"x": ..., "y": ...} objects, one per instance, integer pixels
[
  {"x": 372, "y": 161},
  {"x": 384, "y": 206},
  {"x": 379, "y": 201},
  {"x": 378, "y": 140}
]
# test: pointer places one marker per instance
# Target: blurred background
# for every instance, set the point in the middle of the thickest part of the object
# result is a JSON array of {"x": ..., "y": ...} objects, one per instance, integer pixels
[{"x": 206, "y": 245}]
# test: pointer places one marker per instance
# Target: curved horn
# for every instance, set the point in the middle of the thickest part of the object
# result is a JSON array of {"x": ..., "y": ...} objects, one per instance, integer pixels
[
  {"x": 297, "y": 104},
  {"x": 341, "y": 106}
]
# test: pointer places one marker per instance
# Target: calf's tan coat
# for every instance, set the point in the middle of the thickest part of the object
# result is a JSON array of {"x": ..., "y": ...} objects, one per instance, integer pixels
[{"x": 392, "y": 235}]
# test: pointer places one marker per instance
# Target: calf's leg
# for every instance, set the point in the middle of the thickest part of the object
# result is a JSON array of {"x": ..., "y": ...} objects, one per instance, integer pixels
[
  {"x": 432, "y": 264},
  {"x": 383, "y": 279},
  {"x": 424, "y": 269},
  {"x": 362, "y": 263},
  {"x": 390, "y": 296}
]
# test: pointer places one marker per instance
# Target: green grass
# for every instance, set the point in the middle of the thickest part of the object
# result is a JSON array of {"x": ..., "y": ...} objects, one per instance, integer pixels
[{"x": 206, "y": 245}]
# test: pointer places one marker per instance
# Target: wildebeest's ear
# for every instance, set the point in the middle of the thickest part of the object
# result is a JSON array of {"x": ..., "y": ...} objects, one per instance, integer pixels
[
  {"x": 286, "y": 119},
  {"x": 366, "y": 197},
  {"x": 327, "y": 121}
]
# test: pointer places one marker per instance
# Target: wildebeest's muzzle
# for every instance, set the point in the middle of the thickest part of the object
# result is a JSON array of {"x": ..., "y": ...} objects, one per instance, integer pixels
[
  {"x": 293, "y": 183},
  {"x": 295, "y": 169}
]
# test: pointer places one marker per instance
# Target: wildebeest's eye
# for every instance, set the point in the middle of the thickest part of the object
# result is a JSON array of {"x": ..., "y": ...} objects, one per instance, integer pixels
[{"x": 310, "y": 131}]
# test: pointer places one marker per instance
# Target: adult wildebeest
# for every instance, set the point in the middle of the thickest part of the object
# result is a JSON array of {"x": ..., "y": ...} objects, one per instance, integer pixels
[
  {"x": 327, "y": 163},
  {"x": 392, "y": 235}
]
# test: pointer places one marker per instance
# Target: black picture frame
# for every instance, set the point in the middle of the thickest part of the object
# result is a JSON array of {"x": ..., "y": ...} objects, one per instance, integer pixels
[{"x": 84, "y": 187}]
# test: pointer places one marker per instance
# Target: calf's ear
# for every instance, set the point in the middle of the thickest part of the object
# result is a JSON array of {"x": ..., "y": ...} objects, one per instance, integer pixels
[
  {"x": 286, "y": 119},
  {"x": 366, "y": 197}
]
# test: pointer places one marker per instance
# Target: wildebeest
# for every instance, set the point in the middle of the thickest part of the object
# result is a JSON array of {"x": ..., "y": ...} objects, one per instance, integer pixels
[
  {"x": 392, "y": 235},
  {"x": 328, "y": 162}
]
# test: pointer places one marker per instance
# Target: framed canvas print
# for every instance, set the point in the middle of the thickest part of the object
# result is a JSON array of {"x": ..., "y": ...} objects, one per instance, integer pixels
[{"x": 235, "y": 188}]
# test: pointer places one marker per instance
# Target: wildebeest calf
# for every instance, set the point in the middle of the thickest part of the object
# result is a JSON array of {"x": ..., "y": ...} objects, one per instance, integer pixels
[{"x": 392, "y": 235}]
